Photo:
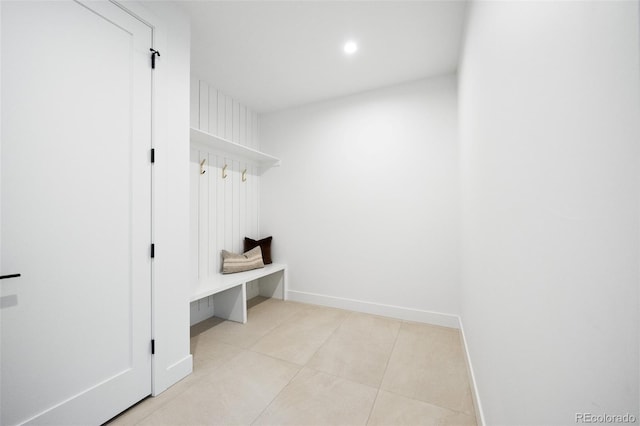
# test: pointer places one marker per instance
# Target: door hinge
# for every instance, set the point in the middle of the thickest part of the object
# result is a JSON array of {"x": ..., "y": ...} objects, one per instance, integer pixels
[
  {"x": 154, "y": 53},
  {"x": 153, "y": 347},
  {"x": 153, "y": 251},
  {"x": 153, "y": 155}
]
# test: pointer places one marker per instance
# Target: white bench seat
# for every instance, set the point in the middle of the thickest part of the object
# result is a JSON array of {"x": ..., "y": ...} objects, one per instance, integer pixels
[{"x": 230, "y": 301}]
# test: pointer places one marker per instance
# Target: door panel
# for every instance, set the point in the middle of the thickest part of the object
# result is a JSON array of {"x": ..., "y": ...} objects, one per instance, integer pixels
[{"x": 75, "y": 211}]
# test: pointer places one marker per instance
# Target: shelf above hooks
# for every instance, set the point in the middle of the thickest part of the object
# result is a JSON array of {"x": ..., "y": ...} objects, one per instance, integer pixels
[{"x": 232, "y": 149}]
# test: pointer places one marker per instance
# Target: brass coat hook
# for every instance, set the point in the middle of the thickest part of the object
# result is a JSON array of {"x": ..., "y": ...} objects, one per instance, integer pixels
[
  {"x": 244, "y": 175},
  {"x": 224, "y": 172},
  {"x": 202, "y": 169}
]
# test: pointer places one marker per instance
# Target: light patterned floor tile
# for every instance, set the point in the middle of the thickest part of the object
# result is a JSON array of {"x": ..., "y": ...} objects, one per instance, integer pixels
[
  {"x": 310, "y": 365},
  {"x": 359, "y": 349},
  {"x": 301, "y": 335},
  {"x": 261, "y": 319},
  {"x": 427, "y": 364},
  {"x": 316, "y": 398},
  {"x": 143, "y": 409},
  {"x": 235, "y": 393},
  {"x": 392, "y": 409}
]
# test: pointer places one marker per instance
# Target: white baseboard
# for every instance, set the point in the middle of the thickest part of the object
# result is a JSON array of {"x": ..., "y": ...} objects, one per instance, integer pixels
[
  {"x": 399, "y": 312},
  {"x": 173, "y": 374},
  {"x": 474, "y": 387}
]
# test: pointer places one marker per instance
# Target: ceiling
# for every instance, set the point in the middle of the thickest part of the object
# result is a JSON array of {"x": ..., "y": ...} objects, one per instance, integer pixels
[{"x": 272, "y": 55}]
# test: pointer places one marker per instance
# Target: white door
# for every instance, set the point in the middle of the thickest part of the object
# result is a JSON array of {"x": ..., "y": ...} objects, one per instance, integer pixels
[{"x": 75, "y": 211}]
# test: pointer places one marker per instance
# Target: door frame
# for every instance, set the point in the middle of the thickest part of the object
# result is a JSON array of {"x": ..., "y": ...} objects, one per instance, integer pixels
[
  {"x": 143, "y": 15},
  {"x": 127, "y": 7},
  {"x": 166, "y": 369}
]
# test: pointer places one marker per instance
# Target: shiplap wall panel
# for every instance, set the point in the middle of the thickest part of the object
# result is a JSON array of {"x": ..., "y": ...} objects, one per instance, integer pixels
[
  {"x": 228, "y": 206},
  {"x": 204, "y": 106},
  {"x": 221, "y": 110},
  {"x": 212, "y": 218},
  {"x": 236, "y": 122},
  {"x": 223, "y": 211},
  {"x": 252, "y": 204},
  {"x": 228, "y": 129},
  {"x": 236, "y": 206},
  {"x": 213, "y": 110},
  {"x": 201, "y": 309},
  {"x": 242, "y": 195},
  {"x": 203, "y": 218},
  {"x": 254, "y": 124},
  {"x": 194, "y": 95},
  {"x": 194, "y": 212},
  {"x": 249, "y": 125},
  {"x": 220, "y": 210},
  {"x": 242, "y": 115}
]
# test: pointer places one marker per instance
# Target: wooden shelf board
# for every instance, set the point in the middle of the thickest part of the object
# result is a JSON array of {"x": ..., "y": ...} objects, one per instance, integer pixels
[{"x": 233, "y": 149}]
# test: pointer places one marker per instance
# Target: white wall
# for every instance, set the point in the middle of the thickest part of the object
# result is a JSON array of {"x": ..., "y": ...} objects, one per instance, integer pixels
[
  {"x": 365, "y": 204},
  {"x": 172, "y": 360},
  {"x": 550, "y": 116}
]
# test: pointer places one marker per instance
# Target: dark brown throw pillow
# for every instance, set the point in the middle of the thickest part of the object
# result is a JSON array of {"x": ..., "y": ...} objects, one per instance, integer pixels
[{"x": 265, "y": 246}]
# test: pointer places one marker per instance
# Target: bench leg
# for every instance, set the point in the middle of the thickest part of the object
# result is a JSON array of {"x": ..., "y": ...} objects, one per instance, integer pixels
[
  {"x": 273, "y": 285},
  {"x": 231, "y": 304}
]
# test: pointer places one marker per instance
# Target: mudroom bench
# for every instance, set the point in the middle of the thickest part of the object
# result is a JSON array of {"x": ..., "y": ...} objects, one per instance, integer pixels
[{"x": 230, "y": 290}]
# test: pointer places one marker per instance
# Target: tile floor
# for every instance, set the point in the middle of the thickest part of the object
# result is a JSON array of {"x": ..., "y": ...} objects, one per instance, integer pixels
[{"x": 298, "y": 364}]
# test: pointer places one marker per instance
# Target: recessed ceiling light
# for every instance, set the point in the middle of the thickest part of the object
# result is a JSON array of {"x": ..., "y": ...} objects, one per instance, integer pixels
[{"x": 350, "y": 47}]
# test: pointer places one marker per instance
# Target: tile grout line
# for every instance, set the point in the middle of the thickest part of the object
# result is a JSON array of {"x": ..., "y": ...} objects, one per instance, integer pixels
[
  {"x": 328, "y": 337},
  {"x": 473, "y": 416},
  {"x": 299, "y": 370},
  {"x": 236, "y": 345},
  {"x": 250, "y": 349},
  {"x": 163, "y": 404},
  {"x": 276, "y": 395},
  {"x": 300, "y": 367},
  {"x": 453, "y": 410},
  {"x": 386, "y": 367}
]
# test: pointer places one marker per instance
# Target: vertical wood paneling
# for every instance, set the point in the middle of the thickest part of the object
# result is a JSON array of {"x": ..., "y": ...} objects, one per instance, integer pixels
[
  {"x": 221, "y": 110},
  {"x": 228, "y": 207},
  {"x": 249, "y": 204},
  {"x": 243, "y": 125},
  {"x": 252, "y": 204},
  {"x": 203, "y": 219},
  {"x": 223, "y": 211},
  {"x": 237, "y": 181},
  {"x": 212, "y": 258},
  {"x": 194, "y": 98},
  {"x": 254, "y": 124},
  {"x": 228, "y": 119},
  {"x": 194, "y": 215},
  {"x": 203, "y": 123},
  {"x": 213, "y": 110},
  {"x": 236, "y": 122},
  {"x": 249, "y": 128},
  {"x": 220, "y": 212},
  {"x": 242, "y": 207},
  {"x": 256, "y": 207}
]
